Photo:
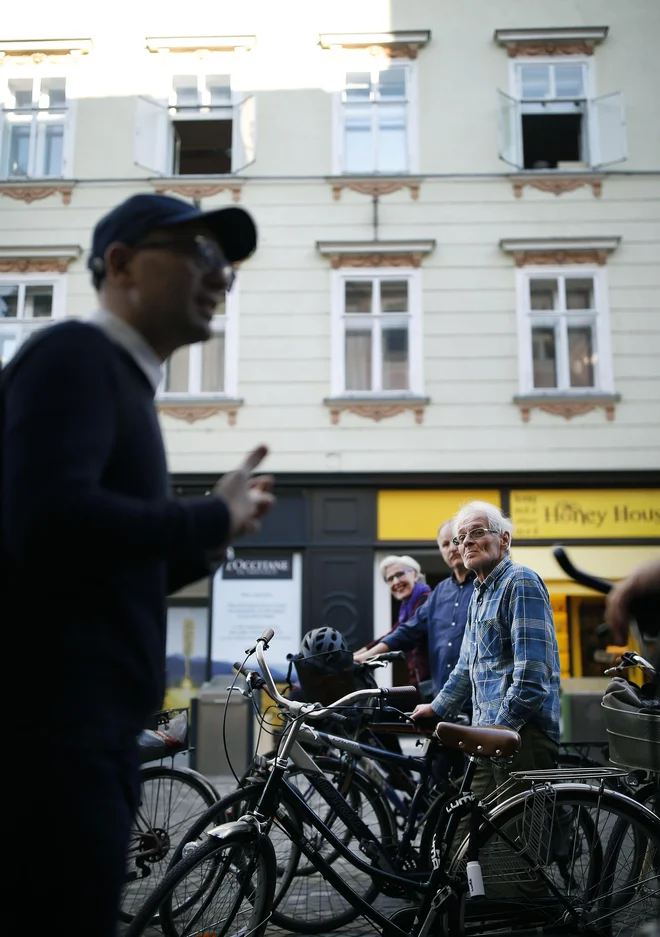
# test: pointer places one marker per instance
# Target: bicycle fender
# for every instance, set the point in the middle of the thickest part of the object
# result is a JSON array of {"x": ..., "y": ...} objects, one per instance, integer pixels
[{"x": 240, "y": 830}]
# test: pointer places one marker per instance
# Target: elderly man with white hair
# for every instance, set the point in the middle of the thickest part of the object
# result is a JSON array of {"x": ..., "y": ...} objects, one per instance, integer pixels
[{"x": 509, "y": 660}]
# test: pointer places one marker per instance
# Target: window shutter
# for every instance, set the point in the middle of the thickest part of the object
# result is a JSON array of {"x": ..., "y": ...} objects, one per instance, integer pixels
[
  {"x": 609, "y": 127},
  {"x": 152, "y": 145},
  {"x": 509, "y": 130},
  {"x": 245, "y": 134}
]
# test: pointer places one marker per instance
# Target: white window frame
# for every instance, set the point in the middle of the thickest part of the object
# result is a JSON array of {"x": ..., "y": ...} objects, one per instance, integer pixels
[
  {"x": 598, "y": 132},
  {"x": 227, "y": 324},
  {"x": 36, "y": 75},
  {"x": 603, "y": 374},
  {"x": 155, "y": 116},
  {"x": 363, "y": 62},
  {"x": 338, "y": 361},
  {"x": 29, "y": 326}
]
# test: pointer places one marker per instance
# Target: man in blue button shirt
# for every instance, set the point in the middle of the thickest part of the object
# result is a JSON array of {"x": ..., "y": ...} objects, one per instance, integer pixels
[
  {"x": 509, "y": 660},
  {"x": 440, "y": 620}
]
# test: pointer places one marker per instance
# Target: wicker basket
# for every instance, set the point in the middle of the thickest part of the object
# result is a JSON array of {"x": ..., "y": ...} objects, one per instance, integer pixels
[{"x": 634, "y": 737}]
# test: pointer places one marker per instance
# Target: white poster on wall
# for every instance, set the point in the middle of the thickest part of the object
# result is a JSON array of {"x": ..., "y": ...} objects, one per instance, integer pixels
[{"x": 250, "y": 595}]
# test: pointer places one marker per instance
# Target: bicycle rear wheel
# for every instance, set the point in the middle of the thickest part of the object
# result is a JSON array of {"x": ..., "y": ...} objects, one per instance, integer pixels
[
  {"x": 579, "y": 858},
  {"x": 171, "y": 798}
]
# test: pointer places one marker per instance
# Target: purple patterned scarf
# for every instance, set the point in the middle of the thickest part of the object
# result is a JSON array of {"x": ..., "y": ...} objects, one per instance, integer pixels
[{"x": 408, "y": 605}]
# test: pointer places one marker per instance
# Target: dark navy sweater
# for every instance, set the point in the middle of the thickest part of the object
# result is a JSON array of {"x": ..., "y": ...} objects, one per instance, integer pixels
[{"x": 91, "y": 539}]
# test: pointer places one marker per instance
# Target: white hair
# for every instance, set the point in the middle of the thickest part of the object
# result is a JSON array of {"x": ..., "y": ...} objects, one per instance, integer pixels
[
  {"x": 402, "y": 561},
  {"x": 497, "y": 521}
]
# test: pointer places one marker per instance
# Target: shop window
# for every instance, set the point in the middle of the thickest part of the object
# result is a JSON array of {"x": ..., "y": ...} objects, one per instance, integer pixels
[{"x": 549, "y": 120}]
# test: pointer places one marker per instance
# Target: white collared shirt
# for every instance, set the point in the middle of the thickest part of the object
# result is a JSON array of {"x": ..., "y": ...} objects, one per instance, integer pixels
[{"x": 128, "y": 338}]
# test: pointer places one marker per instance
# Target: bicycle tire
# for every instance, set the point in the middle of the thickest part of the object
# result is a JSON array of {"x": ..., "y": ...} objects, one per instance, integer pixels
[
  {"x": 171, "y": 797},
  {"x": 218, "y": 860},
  {"x": 609, "y": 892}
]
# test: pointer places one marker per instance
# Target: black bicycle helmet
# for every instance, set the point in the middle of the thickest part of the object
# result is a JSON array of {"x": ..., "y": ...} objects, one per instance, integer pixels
[{"x": 323, "y": 644}]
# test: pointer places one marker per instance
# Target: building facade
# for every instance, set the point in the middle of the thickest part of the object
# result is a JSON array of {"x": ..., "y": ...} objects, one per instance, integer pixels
[{"x": 457, "y": 285}]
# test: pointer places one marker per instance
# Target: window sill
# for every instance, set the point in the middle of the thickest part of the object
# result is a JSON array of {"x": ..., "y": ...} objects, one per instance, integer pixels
[
  {"x": 558, "y": 181},
  {"x": 567, "y": 405},
  {"x": 32, "y": 190},
  {"x": 376, "y": 407},
  {"x": 191, "y": 409}
]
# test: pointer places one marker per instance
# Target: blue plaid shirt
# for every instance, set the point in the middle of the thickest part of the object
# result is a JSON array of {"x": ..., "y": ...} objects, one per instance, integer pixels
[{"x": 509, "y": 659}]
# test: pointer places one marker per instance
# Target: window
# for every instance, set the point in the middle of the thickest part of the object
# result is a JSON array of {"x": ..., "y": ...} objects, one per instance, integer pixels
[
  {"x": 377, "y": 334},
  {"x": 564, "y": 332},
  {"x": 552, "y": 121},
  {"x": 26, "y": 304},
  {"x": 34, "y": 123},
  {"x": 206, "y": 368},
  {"x": 376, "y": 133},
  {"x": 203, "y": 129}
]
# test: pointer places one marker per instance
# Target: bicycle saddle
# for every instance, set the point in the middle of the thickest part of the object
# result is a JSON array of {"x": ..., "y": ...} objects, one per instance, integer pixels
[{"x": 483, "y": 741}]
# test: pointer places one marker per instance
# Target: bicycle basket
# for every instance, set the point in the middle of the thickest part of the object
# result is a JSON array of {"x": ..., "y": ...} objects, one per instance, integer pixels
[
  {"x": 168, "y": 737},
  {"x": 327, "y": 684},
  {"x": 633, "y": 736}
]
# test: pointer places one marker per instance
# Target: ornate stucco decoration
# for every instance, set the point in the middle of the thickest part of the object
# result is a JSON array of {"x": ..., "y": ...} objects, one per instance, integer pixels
[
  {"x": 569, "y": 40},
  {"x": 558, "y": 184},
  {"x": 374, "y": 187},
  {"x": 375, "y": 253},
  {"x": 38, "y": 259},
  {"x": 199, "y": 45},
  {"x": 402, "y": 44},
  {"x": 567, "y": 406},
  {"x": 376, "y": 409},
  {"x": 38, "y": 51},
  {"x": 559, "y": 251},
  {"x": 193, "y": 411},
  {"x": 34, "y": 191},
  {"x": 199, "y": 190}
]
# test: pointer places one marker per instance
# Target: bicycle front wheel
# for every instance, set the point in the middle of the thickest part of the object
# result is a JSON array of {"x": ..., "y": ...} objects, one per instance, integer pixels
[
  {"x": 171, "y": 798},
  {"x": 221, "y": 886},
  {"x": 568, "y": 856}
]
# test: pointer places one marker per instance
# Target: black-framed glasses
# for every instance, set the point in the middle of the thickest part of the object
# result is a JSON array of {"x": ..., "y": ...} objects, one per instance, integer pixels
[
  {"x": 205, "y": 252},
  {"x": 393, "y": 578},
  {"x": 475, "y": 534}
]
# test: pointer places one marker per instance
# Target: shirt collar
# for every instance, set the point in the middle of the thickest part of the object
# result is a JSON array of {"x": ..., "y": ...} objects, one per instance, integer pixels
[
  {"x": 492, "y": 577},
  {"x": 471, "y": 576},
  {"x": 128, "y": 338}
]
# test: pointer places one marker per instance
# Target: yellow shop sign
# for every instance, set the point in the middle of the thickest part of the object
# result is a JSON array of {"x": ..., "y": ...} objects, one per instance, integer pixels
[{"x": 589, "y": 515}]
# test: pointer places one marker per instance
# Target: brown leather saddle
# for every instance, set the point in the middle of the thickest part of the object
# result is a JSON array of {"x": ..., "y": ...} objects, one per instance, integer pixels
[{"x": 483, "y": 741}]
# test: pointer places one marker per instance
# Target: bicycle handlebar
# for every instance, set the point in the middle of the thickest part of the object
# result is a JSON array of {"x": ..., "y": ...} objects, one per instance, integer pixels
[{"x": 578, "y": 575}]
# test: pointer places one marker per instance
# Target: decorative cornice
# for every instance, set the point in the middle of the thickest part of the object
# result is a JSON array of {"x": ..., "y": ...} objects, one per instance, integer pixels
[
  {"x": 38, "y": 259},
  {"x": 36, "y": 51},
  {"x": 198, "y": 190},
  {"x": 558, "y": 185},
  {"x": 375, "y": 253},
  {"x": 376, "y": 408},
  {"x": 32, "y": 192},
  {"x": 200, "y": 45},
  {"x": 567, "y": 406},
  {"x": 402, "y": 44},
  {"x": 200, "y": 410},
  {"x": 560, "y": 41},
  {"x": 374, "y": 187},
  {"x": 545, "y": 251}
]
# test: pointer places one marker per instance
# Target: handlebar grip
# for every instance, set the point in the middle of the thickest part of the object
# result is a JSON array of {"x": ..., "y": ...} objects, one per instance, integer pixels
[
  {"x": 401, "y": 691},
  {"x": 392, "y": 655},
  {"x": 577, "y": 575},
  {"x": 255, "y": 678},
  {"x": 267, "y": 636}
]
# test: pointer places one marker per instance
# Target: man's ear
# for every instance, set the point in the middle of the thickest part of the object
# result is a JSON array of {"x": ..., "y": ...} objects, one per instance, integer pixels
[{"x": 117, "y": 259}]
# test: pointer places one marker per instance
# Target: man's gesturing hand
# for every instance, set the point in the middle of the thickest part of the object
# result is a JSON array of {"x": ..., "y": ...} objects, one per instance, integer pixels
[{"x": 247, "y": 498}]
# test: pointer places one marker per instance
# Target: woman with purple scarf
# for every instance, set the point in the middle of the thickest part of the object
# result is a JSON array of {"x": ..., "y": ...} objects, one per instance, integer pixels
[{"x": 404, "y": 577}]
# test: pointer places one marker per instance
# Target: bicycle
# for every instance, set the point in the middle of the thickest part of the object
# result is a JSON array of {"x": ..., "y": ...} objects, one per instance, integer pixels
[
  {"x": 171, "y": 797},
  {"x": 554, "y": 835}
]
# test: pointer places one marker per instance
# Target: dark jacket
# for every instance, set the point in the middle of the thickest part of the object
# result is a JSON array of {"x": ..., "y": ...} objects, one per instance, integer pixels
[{"x": 91, "y": 539}]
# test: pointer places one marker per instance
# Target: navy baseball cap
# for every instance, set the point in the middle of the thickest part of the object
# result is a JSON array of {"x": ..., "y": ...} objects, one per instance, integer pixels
[{"x": 133, "y": 219}]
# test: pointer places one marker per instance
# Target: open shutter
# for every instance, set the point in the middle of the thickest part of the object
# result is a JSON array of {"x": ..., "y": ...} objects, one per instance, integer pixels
[
  {"x": 152, "y": 144},
  {"x": 608, "y": 122},
  {"x": 245, "y": 134},
  {"x": 69, "y": 139},
  {"x": 509, "y": 130}
]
